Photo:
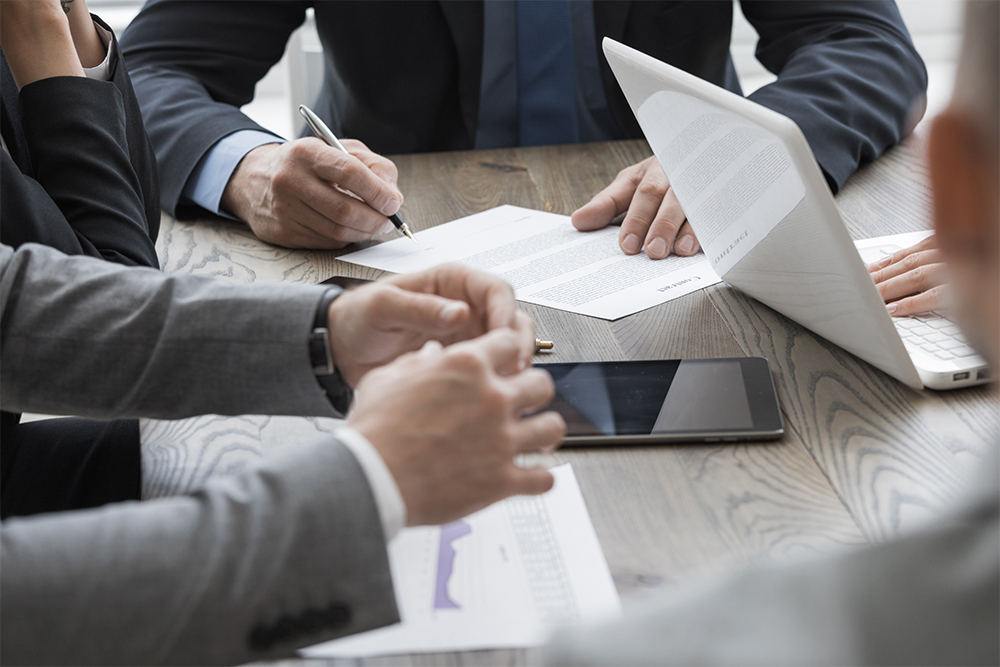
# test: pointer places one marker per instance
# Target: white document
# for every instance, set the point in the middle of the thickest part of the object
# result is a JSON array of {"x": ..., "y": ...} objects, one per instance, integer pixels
[
  {"x": 734, "y": 179},
  {"x": 547, "y": 262},
  {"x": 504, "y": 577}
]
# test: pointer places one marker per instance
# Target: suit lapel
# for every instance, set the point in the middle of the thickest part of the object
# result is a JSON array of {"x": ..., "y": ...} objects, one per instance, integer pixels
[{"x": 465, "y": 20}]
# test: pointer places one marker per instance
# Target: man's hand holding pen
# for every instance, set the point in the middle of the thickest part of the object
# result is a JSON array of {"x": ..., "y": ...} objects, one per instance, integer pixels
[{"x": 295, "y": 194}]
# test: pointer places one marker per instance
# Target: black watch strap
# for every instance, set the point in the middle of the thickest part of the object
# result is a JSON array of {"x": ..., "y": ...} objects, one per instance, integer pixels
[{"x": 337, "y": 391}]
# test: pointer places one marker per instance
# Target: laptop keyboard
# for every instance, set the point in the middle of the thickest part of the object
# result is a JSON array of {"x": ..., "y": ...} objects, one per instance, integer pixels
[{"x": 935, "y": 335}]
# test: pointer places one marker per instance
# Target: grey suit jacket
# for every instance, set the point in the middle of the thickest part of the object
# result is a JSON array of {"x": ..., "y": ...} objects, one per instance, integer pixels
[
  {"x": 929, "y": 598},
  {"x": 287, "y": 554}
]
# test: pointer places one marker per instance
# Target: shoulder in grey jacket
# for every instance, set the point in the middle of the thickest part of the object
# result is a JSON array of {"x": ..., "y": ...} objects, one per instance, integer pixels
[{"x": 287, "y": 554}]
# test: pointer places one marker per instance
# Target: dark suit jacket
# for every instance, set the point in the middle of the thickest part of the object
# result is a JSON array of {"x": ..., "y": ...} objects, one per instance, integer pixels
[
  {"x": 405, "y": 76},
  {"x": 81, "y": 175}
]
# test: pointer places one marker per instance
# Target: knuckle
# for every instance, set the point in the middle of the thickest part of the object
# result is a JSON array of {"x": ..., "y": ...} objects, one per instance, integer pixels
[
  {"x": 651, "y": 188},
  {"x": 300, "y": 150},
  {"x": 342, "y": 210},
  {"x": 284, "y": 178},
  {"x": 911, "y": 262},
  {"x": 557, "y": 426},
  {"x": 542, "y": 380},
  {"x": 668, "y": 225},
  {"x": 465, "y": 360}
]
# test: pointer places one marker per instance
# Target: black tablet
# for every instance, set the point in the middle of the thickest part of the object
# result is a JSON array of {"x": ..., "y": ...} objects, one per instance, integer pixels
[{"x": 643, "y": 402}]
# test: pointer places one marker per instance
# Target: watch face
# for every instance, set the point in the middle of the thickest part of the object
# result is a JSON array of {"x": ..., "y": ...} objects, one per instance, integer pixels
[{"x": 345, "y": 282}]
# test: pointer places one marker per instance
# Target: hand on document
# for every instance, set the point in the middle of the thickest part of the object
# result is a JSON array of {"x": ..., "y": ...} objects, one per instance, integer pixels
[
  {"x": 447, "y": 422},
  {"x": 911, "y": 280},
  {"x": 293, "y": 194},
  {"x": 372, "y": 325},
  {"x": 655, "y": 221}
]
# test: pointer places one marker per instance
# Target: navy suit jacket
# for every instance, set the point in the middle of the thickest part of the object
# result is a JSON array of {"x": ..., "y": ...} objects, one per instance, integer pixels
[{"x": 405, "y": 76}]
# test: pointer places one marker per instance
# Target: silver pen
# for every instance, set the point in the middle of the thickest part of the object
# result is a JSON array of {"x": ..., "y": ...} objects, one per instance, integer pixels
[{"x": 324, "y": 133}]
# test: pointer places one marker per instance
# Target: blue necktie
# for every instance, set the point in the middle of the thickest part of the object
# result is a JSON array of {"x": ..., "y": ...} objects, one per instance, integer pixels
[{"x": 546, "y": 77}]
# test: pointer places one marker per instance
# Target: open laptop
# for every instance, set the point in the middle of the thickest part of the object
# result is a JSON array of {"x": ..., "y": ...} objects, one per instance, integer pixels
[{"x": 760, "y": 206}]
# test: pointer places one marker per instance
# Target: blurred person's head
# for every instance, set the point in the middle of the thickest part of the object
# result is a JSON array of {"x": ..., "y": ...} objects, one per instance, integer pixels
[{"x": 964, "y": 156}]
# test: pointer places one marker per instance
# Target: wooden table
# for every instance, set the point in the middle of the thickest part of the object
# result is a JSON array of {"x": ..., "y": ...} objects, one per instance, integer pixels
[{"x": 863, "y": 459}]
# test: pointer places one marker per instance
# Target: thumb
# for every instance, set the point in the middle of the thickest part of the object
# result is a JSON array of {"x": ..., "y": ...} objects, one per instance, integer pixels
[{"x": 403, "y": 309}]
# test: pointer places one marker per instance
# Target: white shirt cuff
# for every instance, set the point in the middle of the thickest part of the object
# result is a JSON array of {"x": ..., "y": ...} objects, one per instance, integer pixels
[
  {"x": 101, "y": 72},
  {"x": 388, "y": 500}
]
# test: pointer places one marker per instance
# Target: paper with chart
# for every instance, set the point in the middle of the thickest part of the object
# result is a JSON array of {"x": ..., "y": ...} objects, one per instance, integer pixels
[
  {"x": 501, "y": 578},
  {"x": 547, "y": 262},
  {"x": 734, "y": 179}
]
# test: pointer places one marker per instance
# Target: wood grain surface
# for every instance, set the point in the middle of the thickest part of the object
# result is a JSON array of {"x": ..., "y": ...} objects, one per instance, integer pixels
[{"x": 863, "y": 457}]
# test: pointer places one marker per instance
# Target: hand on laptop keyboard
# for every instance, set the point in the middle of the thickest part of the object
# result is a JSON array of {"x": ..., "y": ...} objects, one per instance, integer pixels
[{"x": 911, "y": 280}]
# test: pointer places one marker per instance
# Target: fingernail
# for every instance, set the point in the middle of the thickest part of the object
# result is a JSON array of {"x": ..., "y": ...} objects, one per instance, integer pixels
[
  {"x": 892, "y": 308},
  {"x": 631, "y": 244},
  {"x": 657, "y": 248},
  {"x": 884, "y": 262},
  {"x": 391, "y": 207},
  {"x": 685, "y": 246},
  {"x": 387, "y": 227},
  {"x": 451, "y": 313}
]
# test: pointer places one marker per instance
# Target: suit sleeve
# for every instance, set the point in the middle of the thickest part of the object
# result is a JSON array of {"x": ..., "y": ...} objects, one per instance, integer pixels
[
  {"x": 194, "y": 64},
  {"x": 161, "y": 346},
  {"x": 92, "y": 185},
  {"x": 848, "y": 75},
  {"x": 252, "y": 567},
  {"x": 929, "y": 598}
]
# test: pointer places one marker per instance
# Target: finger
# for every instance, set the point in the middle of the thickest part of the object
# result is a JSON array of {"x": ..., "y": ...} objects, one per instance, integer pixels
[
  {"x": 531, "y": 390},
  {"x": 392, "y": 308},
  {"x": 932, "y": 299},
  {"x": 919, "y": 279},
  {"x": 287, "y": 231},
  {"x": 383, "y": 167},
  {"x": 487, "y": 294},
  {"x": 908, "y": 263},
  {"x": 326, "y": 217},
  {"x": 666, "y": 225},
  {"x": 686, "y": 243},
  {"x": 530, "y": 481},
  {"x": 541, "y": 432},
  {"x": 610, "y": 202},
  {"x": 500, "y": 347},
  {"x": 929, "y": 243},
  {"x": 431, "y": 350},
  {"x": 350, "y": 173},
  {"x": 642, "y": 211}
]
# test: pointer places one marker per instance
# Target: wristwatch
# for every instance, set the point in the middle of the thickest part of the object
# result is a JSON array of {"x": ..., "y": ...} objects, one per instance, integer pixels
[{"x": 338, "y": 392}]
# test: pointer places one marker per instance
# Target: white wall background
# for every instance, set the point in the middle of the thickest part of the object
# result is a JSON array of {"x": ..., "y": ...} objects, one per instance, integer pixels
[{"x": 934, "y": 24}]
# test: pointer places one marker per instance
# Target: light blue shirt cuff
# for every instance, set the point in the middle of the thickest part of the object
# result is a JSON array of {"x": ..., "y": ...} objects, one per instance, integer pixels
[{"x": 208, "y": 180}]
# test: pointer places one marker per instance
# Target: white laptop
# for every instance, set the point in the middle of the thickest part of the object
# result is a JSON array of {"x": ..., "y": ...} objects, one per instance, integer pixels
[{"x": 765, "y": 217}]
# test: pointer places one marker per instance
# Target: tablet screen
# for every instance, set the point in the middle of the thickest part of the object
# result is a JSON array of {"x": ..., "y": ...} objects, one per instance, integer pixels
[{"x": 656, "y": 397}]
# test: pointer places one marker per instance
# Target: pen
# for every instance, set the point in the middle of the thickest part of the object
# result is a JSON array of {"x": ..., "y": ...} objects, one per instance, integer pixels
[
  {"x": 543, "y": 345},
  {"x": 324, "y": 133}
]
